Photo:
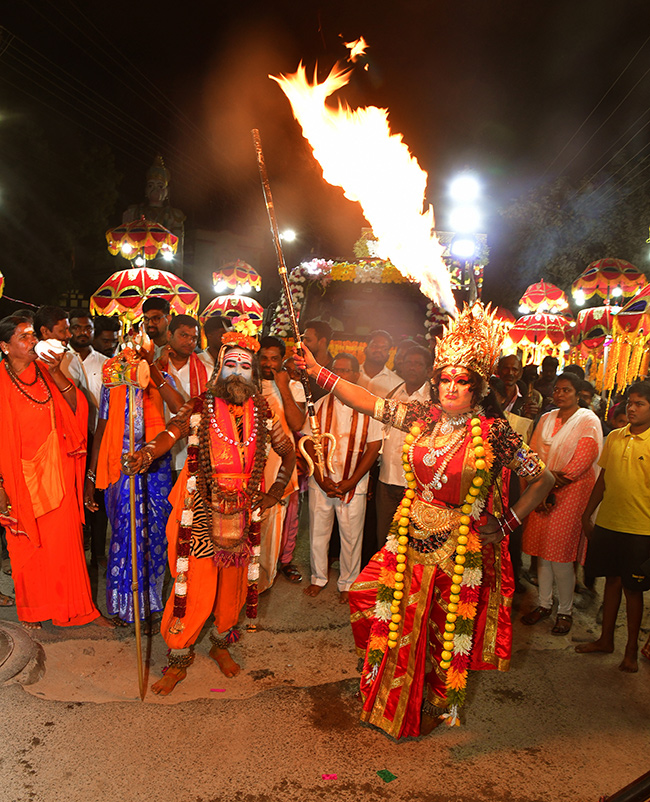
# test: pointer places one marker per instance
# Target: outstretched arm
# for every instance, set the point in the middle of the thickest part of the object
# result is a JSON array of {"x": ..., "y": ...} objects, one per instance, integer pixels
[
  {"x": 350, "y": 394},
  {"x": 176, "y": 429}
]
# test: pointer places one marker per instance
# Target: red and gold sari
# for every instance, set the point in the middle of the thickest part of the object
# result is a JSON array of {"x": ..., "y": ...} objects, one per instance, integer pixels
[{"x": 409, "y": 678}]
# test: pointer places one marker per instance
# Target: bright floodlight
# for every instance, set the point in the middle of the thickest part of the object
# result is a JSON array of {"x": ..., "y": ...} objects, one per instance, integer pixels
[
  {"x": 168, "y": 255},
  {"x": 616, "y": 292},
  {"x": 289, "y": 235},
  {"x": 524, "y": 309},
  {"x": 139, "y": 261},
  {"x": 126, "y": 247},
  {"x": 464, "y": 188},
  {"x": 463, "y": 247},
  {"x": 465, "y": 219},
  {"x": 246, "y": 287},
  {"x": 579, "y": 297}
]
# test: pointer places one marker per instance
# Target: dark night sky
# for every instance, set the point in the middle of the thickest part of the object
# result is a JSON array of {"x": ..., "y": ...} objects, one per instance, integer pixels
[{"x": 499, "y": 86}]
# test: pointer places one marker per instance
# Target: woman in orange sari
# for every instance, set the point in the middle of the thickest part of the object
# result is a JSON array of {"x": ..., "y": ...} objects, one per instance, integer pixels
[
  {"x": 435, "y": 601},
  {"x": 43, "y": 422}
]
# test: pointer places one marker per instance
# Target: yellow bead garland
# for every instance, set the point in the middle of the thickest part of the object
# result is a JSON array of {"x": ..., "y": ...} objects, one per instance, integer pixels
[{"x": 461, "y": 533}]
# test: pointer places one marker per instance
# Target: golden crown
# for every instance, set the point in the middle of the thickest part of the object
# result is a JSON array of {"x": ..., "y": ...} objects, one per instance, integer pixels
[{"x": 472, "y": 340}]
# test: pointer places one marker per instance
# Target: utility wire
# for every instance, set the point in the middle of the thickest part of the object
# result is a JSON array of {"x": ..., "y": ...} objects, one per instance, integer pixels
[{"x": 593, "y": 111}]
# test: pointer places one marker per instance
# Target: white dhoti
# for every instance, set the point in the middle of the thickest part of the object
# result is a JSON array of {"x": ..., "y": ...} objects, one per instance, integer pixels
[
  {"x": 351, "y": 517},
  {"x": 270, "y": 545}
]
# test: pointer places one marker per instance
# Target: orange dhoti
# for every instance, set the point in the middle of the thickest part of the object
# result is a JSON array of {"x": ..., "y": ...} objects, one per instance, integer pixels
[{"x": 211, "y": 589}]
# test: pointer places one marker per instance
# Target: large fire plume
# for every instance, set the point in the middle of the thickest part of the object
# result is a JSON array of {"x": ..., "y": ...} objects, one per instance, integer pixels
[{"x": 374, "y": 167}]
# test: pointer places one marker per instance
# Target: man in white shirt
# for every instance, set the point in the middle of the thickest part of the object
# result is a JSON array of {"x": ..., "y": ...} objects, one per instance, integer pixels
[
  {"x": 85, "y": 365},
  {"x": 183, "y": 365},
  {"x": 287, "y": 399},
  {"x": 156, "y": 317},
  {"x": 214, "y": 328},
  {"x": 341, "y": 493},
  {"x": 416, "y": 369},
  {"x": 84, "y": 368},
  {"x": 374, "y": 374}
]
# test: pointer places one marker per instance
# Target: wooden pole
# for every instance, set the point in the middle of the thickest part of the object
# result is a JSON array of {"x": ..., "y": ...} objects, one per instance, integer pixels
[{"x": 134, "y": 550}]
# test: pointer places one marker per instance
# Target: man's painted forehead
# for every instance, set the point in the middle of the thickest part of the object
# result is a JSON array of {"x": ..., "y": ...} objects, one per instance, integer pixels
[{"x": 238, "y": 355}]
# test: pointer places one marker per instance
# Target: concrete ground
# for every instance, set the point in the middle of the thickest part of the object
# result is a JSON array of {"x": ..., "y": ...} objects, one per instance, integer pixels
[{"x": 559, "y": 726}]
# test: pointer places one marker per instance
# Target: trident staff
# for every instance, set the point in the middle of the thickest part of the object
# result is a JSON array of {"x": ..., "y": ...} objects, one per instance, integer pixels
[{"x": 317, "y": 437}]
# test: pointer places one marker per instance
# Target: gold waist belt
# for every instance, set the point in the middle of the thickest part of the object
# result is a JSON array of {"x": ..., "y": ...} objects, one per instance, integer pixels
[{"x": 430, "y": 520}]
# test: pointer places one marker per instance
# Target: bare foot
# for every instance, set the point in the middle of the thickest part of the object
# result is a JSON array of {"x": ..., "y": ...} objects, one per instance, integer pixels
[
  {"x": 645, "y": 651},
  {"x": 225, "y": 662},
  {"x": 429, "y": 723},
  {"x": 595, "y": 646},
  {"x": 104, "y": 622},
  {"x": 166, "y": 684},
  {"x": 31, "y": 625},
  {"x": 344, "y": 595},
  {"x": 312, "y": 590},
  {"x": 629, "y": 664}
]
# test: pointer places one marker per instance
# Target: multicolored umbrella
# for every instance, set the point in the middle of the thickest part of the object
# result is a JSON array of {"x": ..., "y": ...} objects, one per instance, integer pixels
[
  {"x": 594, "y": 326},
  {"x": 124, "y": 292},
  {"x": 634, "y": 317},
  {"x": 232, "y": 306},
  {"x": 236, "y": 277},
  {"x": 608, "y": 278},
  {"x": 543, "y": 297},
  {"x": 541, "y": 330},
  {"x": 141, "y": 238}
]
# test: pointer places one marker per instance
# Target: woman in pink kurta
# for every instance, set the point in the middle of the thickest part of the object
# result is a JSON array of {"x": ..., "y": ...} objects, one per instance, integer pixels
[{"x": 569, "y": 440}]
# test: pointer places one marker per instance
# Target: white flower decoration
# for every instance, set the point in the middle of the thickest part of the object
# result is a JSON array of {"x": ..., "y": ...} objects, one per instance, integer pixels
[
  {"x": 195, "y": 420},
  {"x": 193, "y": 440},
  {"x": 392, "y": 545},
  {"x": 462, "y": 644},
  {"x": 253, "y": 571},
  {"x": 182, "y": 564},
  {"x": 191, "y": 484},
  {"x": 382, "y": 611},
  {"x": 186, "y": 518},
  {"x": 472, "y": 577}
]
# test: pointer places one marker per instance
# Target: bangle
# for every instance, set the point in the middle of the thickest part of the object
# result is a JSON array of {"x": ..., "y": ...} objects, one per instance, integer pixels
[
  {"x": 509, "y": 522},
  {"x": 173, "y": 436},
  {"x": 326, "y": 379},
  {"x": 69, "y": 387},
  {"x": 91, "y": 475},
  {"x": 162, "y": 384}
]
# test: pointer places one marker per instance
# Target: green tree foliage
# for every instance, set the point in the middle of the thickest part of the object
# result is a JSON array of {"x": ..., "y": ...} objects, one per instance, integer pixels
[{"x": 557, "y": 229}]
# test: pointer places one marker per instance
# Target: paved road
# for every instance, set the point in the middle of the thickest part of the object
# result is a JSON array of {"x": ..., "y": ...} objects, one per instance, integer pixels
[{"x": 559, "y": 726}]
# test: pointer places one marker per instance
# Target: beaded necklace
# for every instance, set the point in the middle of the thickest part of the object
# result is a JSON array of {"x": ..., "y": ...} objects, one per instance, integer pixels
[
  {"x": 230, "y": 440},
  {"x": 17, "y": 382}
]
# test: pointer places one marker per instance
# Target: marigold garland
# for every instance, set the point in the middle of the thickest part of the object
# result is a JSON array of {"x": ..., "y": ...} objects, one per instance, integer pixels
[{"x": 467, "y": 575}]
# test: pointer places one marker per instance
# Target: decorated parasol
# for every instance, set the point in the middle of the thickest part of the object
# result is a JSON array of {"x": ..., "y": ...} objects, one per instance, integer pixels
[
  {"x": 236, "y": 277},
  {"x": 124, "y": 292},
  {"x": 141, "y": 240},
  {"x": 593, "y": 326},
  {"x": 543, "y": 297},
  {"x": 540, "y": 334},
  {"x": 607, "y": 279},
  {"x": 628, "y": 356},
  {"x": 232, "y": 306}
]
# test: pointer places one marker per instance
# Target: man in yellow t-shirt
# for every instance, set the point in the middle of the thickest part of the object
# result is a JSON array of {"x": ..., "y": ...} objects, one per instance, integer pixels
[{"x": 619, "y": 543}]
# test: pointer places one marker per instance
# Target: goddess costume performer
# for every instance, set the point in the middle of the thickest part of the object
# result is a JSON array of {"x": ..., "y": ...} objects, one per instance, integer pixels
[
  {"x": 435, "y": 601},
  {"x": 214, "y": 530}
]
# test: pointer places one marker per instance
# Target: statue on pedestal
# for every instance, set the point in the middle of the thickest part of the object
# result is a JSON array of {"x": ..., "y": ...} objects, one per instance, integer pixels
[{"x": 157, "y": 206}]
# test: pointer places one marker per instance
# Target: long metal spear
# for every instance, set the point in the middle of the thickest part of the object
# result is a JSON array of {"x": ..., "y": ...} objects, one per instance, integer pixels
[
  {"x": 134, "y": 549},
  {"x": 317, "y": 436}
]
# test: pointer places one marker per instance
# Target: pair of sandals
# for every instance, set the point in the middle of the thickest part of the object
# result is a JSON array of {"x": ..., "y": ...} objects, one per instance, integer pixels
[{"x": 563, "y": 623}]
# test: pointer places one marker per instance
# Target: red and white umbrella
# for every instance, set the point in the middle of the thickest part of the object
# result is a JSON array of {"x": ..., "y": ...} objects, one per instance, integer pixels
[
  {"x": 607, "y": 279},
  {"x": 236, "y": 277},
  {"x": 543, "y": 297},
  {"x": 124, "y": 292},
  {"x": 233, "y": 306}
]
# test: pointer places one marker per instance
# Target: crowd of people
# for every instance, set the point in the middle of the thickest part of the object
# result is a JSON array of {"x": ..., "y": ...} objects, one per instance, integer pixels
[{"x": 447, "y": 467}]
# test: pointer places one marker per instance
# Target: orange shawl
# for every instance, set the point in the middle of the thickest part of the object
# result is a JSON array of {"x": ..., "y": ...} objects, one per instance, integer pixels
[
  {"x": 110, "y": 452},
  {"x": 71, "y": 428}
]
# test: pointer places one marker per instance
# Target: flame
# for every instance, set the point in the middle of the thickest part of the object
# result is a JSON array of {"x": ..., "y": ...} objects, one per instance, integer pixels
[
  {"x": 374, "y": 167},
  {"x": 356, "y": 48}
]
